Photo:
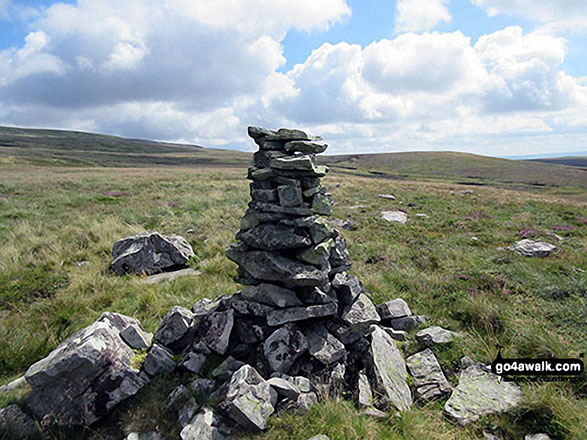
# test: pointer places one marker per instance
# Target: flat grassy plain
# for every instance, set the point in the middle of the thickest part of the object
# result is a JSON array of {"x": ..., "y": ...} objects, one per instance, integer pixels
[{"x": 58, "y": 224}]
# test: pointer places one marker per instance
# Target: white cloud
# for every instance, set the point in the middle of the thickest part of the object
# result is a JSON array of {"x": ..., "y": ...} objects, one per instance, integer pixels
[{"x": 420, "y": 15}]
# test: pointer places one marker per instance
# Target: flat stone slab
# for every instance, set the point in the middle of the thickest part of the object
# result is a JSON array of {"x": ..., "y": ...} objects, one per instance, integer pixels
[
  {"x": 272, "y": 295},
  {"x": 169, "y": 276},
  {"x": 435, "y": 335},
  {"x": 530, "y": 248},
  {"x": 429, "y": 380},
  {"x": 278, "y": 317},
  {"x": 479, "y": 393},
  {"x": 394, "y": 216}
]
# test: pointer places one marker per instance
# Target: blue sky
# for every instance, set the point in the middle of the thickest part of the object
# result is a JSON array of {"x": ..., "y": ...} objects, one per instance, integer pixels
[{"x": 494, "y": 77}]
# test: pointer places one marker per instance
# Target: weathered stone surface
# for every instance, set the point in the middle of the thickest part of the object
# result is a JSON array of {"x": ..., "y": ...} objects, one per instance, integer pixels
[
  {"x": 250, "y": 308},
  {"x": 301, "y": 162},
  {"x": 322, "y": 204},
  {"x": 530, "y": 248},
  {"x": 386, "y": 196},
  {"x": 272, "y": 237},
  {"x": 86, "y": 375},
  {"x": 15, "y": 424},
  {"x": 290, "y": 195},
  {"x": 193, "y": 361},
  {"x": 262, "y": 158},
  {"x": 318, "y": 255},
  {"x": 278, "y": 317},
  {"x": 480, "y": 393},
  {"x": 150, "y": 253},
  {"x": 395, "y": 216},
  {"x": 215, "y": 329},
  {"x": 407, "y": 323},
  {"x": 187, "y": 412},
  {"x": 260, "y": 174},
  {"x": 248, "y": 399},
  {"x": 177, "y": 398},
  {"x": 429, "y": 379},
  {"x": 396, "y": 308},
  {"x": 305, "y": 147},
  {"x": 169, "y": 276},
  {"x": 347, "y": 287},
  {"x": 346, "y": 224},
  {"x": 286, "y": 134},
  {"x": 264, "y": 195},
  {"x": 317, "y": 295},
  {"x": 136, "y": 337},
  {"x": 284, "y": 346},
  {"x": 361, "y": 313},
  {"x": 207, "y": 305},
  {"x": 322, "y": 345},
  {"x": 249, "y": 331},
  {"x": 364, "y": 394},
  {"x": 225, "y": 370},
  {"x": 284, "y": 388},
  {"x": 159, "y": 360},
  {"x": 174, "y": 326},
  {"x": 537, "y": 437},
  {"x": 272, "y": 295},
  {"x": 271, "y": 266},
  {"x": 258, "y": 132},
  {"x": 374, "y": 412},
  {"x": 435, "y": 335},
  {"x": 335, "y": 381},
  {"x": 302, "y": 210},
  {"x": 339, "y": 254},
  {"x": 387, "y": 372},
  {"x": 201, "y": 427}
]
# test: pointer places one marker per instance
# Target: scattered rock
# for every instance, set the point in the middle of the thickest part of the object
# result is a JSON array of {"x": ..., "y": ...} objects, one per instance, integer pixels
[
  {"x": 320, "y": 437},
  {"x": 374, "y": 412},
  {"x": 480, "y": 393},
  {"x": 169, "y": 276},
  {"x": 435, "y": 335},
  {"x": 395, "y": 216},
  {"x": 429, "y": 380},
  {"x": 407, "y": 323},
  {"x": 150, "y": 253},
  {"x": 396, "y": 308},
  {"x": 346, "y": 224},
  {"x": 422, "y": 215},
  {"x": 15, "y": 424},
  {"x": 531, "y": 248},
  {"x": 386, "y": 196},
  {"x": 159, "y": 360}
]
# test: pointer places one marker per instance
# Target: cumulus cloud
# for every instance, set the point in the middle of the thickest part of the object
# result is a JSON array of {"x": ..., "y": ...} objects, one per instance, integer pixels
[{"x": 420, "y": 15}]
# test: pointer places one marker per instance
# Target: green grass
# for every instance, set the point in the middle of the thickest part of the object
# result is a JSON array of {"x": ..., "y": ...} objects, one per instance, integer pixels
[{"x": 53, "y": 218}]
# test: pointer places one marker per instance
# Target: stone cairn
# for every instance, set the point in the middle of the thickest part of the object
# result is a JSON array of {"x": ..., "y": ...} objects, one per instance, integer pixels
[{"x": 303, "y": 328}]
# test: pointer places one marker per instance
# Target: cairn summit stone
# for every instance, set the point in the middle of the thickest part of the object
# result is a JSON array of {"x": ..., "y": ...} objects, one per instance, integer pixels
[{"x": 149, "y": 254}]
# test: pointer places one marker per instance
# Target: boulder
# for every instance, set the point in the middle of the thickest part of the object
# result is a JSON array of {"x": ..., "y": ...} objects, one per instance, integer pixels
[
  {"x": 396, "y": 308},
  {"x": 480, "y": 393},
  {"x": 86, "y": 375},
  {"x": 248, "y": 399},
  {"x": 531, "y": 248},
  {"x": 387, "y": 372},
  {"x": 150, "y": 253},
  {"x": 429, "y": 380},
  {"x": 395, "y": 216},
  {"x": 435, "y": 335},
  {"x": 15, "y": 424},
  {"x": 284, "y": 346}
]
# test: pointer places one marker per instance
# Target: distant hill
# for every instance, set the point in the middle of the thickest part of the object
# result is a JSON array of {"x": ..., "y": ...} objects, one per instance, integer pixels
[
  {"x": 573, "y": 161},
  {"x": 460, "y": 168},
  {"x": 72, "y": 148}
]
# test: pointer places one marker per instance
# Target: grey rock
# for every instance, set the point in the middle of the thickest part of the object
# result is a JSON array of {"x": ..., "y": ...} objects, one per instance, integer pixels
[
  {"x": 395, "y": 216},
  {"x": 187, "y": 412},
  {"x": 319, "y": 227},
  {"x": 260, "y": 174},
  {"x": 347, "y": 287},
  {"x": 289, "y": 195},
  {"x": 201, "y": 427},
  {"x": 295, "y": 163},
  {"x": 304, "y": 402},
  {"x": 225, "y": 370},
  {"x": 322, "y": 204},
  {"x": 159, "y": 360},
  {"x": 278, "y": 317},
  {"x": 271, "y": 237},
  {"x": 271, "y": 266},
  {"x": 317, "y": 295},
  {"x": 346, "y": 224},
  {"x": 264, "y": 195},
  {"x": 322, "y": 345},
  {"x": 202, "y": 386},
  {"x": 301, "y": 382},
  {"x": 13, "y": 385},
  {"x": 335, "y": 385},
  {"x": 250, "y": 308},
  {"x": 249, "y": 331},
  {"x": 361, "y": 313},
  {"x": 374, "y": 412},
  {"x": 86, "y": 375},
  {"x": 407, "y": 323},
  {"x": 491, "y": 436},
  {"x": 215, "y": 329},
  {"x": 429, "y": 380},
  {"x": 398, "y": 335},
  {"x": 480, "y": 393},
  {"x": 435, "y": 335},
  {"x": 272, "y": 295},
  {"x": 169, "y": 276},
  {"x": 339, "y": 255},
  {"x": 320, "y": 437},
  {"x": 174, "y": 326},
  {"x": 258, "y": 132},
  {"x": 177, "y": 398},
  {"x": 262, "y": 158},
  {"x": 537, "y": 437},
  {"x": 284, "y": 388},
  {"x": 248, "y": 399},
  {"x": 305, "y": 147},
  {"x": 284, "y": 346},
  {"x": 364, "y": 394},
  {"x": 193, "y": 361},
  {"x": 207, "y": 305},
  {"x": 15, "y": 424},
  {"x": 286, "y": 134},
  {"x": 386, "y": 196},
  {"x": 302, "y": 211},
  {"x": 150, "y": 253},
  {"x": 387, "y": 372},
  {"x": 136, "y": 337},
  {"x": 152, "y": 435},
  {"x": 530, "y": 248},
  {"x": 396, "y": 308},
  {"x": 318, "y": 255}
]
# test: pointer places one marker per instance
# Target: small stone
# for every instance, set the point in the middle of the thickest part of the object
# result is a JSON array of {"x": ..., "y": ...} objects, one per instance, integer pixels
[
  {"x": 346, "y": 224},
  {"x": 15, "y": 424},
  {"x": 284, "y": 388},
  {"x": 320, "y": 437},
  {"x": 249, "y": 331},
  {"x": 305, "y": 147},
  {"x": 374, "y": 412},
  {"x": 289, "y": 195},
  {"x": 429, "y": 379},
  {"x": 386, "y": 196},
  {"x": 286, "y": 134},
  {"x": 278, "y": 317},
  {"x": 158, "y": 360},
  {"x": 407, "y": 323},
  {"x": 193, "y": 361},
  {"x": 396, "y": 308},
  {"x": 347, "y": 287},
  {"x": 260, "y": 174},
  {"x": 322, "y": 204},
  {"x": 435, "y": 335},
  {"x": 177, "y": 398},
  {"x": 174, "y": 326},
  {"x": 422, "y": 215},
  {"x": 317, "y": 295},
  {"x": 365, "y": 396},
  {"x": 215, "y": 329},
  {"x": 322, "y": 345},
  {"x": 168, "y": 276},
  {"x": 296, "y": 163},
  {"x": 284, "y": 346},
  {"x": 361, "y": 313},
  {"x": 264, "y": 195},
  {"x": 250, "y": 308},
  {"x": 152, "y": 435},
  {"x": 339, "y": 255},
  {"x": 136, "y": 337},
  {"x": 395, "y": 216},
  {"x": 530, "y": 248}
]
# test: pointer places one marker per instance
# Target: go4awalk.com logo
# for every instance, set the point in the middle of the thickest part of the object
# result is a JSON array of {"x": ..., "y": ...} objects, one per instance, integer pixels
[{"x": 532, "y": 369}]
